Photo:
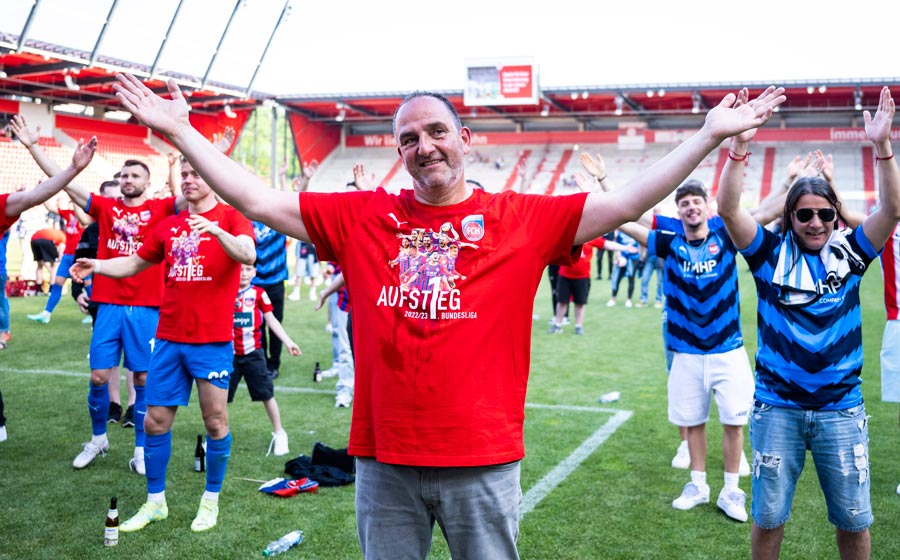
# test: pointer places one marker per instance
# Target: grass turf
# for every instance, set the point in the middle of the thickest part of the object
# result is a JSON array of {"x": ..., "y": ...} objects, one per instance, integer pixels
[{"x": 614, "y": 504}]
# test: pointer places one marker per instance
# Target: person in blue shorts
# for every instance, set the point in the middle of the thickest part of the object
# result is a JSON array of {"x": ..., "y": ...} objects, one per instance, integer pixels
[{"x": 202, "y": 250}]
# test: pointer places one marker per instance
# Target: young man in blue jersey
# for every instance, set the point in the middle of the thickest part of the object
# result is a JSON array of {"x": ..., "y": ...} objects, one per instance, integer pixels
[
  {"x": 704, "y": 333},
  {"x": 653, "y": 221},
  {"x": 810, "y": 355}
]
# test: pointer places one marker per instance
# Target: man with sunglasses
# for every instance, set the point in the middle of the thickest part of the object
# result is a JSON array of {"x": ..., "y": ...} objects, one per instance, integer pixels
[{"x": 810, "y": 344}]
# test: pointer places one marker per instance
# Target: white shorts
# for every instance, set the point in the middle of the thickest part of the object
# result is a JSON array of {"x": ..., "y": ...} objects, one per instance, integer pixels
[
  {"x": 307, "y": 267},
  {"x": 694, "y": 376},
  {"x": 890, "y": 362}
]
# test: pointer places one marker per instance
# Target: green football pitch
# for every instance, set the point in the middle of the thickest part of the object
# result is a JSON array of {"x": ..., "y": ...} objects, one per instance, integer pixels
[{"x": 597, "y": 480}]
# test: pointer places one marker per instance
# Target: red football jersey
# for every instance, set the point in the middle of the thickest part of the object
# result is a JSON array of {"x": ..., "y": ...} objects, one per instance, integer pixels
[
  {"x": 122, "y": 232},
  {"x": 582, "y": 268},
  {"x": 73, "y": 230},
  {"x": 249, "y": 307},
  {"x": 201, "y": 280},
  {"x": 441, "y": 372},
  {"x": 6, "y": 222}
]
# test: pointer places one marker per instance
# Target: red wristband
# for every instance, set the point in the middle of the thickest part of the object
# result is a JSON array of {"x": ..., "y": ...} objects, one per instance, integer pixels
[
  {"x": 884, "y": 158},
  {"x": 734, "y": 157}
]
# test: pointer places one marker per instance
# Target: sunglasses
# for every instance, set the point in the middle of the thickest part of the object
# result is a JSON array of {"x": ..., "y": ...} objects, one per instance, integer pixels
[{"x": 806, "y": 214}]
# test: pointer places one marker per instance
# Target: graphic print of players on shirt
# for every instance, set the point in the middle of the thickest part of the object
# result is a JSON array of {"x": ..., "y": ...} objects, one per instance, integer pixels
[
  {"x": 185, "y": 254},
  {"x": 426, "y": 260},
  {"x": 126, "y": 228}
]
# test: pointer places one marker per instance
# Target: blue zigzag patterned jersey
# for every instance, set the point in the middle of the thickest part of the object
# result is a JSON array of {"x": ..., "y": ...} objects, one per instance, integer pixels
[
  {"x": 271, "y": 255},
  {"x": 810, "y": 356},
  {"x": 702, "y": 303}
]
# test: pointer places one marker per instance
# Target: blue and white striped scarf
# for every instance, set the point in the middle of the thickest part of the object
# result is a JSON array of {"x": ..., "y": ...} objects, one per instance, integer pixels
[{"x": 794, "y": 277}]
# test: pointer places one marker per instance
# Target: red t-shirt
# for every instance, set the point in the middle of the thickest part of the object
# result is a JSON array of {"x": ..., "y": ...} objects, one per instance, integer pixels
[
  {"x": 50, "y": 234},
  {"x": 6, "y": 222},
  {"x": 249, "y": 308},
  {"x": 582, "y": 268},
  {"x": 441, "y": 374},
  {"x": 73, "y": 230},
  {"x": 201, "y": 279},
  {"x": 122, "y": 232}
]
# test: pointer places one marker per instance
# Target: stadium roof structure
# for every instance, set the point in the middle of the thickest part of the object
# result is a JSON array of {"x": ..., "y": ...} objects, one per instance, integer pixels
[
  {"x": 43, "y": 72},
  {"x": 32, "y": 70},
  {"x": 583, "y": 108}
]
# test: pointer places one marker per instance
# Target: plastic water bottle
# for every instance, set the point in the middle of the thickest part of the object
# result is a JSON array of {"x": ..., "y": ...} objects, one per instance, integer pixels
[
  {"x": 284, "y": 544},
  {"x": 610, "y": 397}
]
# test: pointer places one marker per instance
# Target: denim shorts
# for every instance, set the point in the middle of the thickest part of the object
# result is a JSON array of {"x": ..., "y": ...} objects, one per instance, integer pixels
[
  {"x": 890, "y": 362},
  {"x": 477, "y": 509},
  {"x": 839, "y": 442}
]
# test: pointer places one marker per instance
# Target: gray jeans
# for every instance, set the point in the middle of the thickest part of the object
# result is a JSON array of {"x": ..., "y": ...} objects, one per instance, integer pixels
[{"x": 477, "y": 509}]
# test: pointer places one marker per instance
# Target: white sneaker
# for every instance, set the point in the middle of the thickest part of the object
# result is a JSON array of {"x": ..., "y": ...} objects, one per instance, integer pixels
[
  {"x": 90, "y": 451},
  {"x": 682, "y": 458},
  {"x": 691, "y": 495},
  {"x": 343, "y": 399},
  {"x": 898, "y": 488},
  {"x": 328, "y": 373},
  {"x": 137, "y": 462},
  {"x": 328, "y": 328},
  {"x": 43, "y": 317},
  {"x": 207, "y": 516},
  {"x": 628, "y": 303},
  {"x": 611, "y": 302},
  {"x": 312, "y": 295},
  {"x": 3, "y": 433},
  {"x": 744, "y": 468},
  {"x": 149, "y": 512},
  {"x": 733, "y": 503},
  {"x": 279, "y": 444},
  {"x": 295, "y": 295}
]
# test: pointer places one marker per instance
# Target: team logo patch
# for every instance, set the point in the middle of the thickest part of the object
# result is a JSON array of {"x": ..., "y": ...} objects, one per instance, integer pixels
[
  {"x": 473, "y": 227},
  {"x": 713, "y": 248},
  {"x": 145, "y": 215}
]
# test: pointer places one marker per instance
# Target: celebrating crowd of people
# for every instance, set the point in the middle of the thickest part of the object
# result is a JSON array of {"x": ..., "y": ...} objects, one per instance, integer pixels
[{"x": 437, "y": 434}]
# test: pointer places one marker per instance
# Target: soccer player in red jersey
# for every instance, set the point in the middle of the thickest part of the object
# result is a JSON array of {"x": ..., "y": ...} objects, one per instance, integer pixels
[
  {"x": 201, "y": 251},
  {"x": 128, "y": 310}
]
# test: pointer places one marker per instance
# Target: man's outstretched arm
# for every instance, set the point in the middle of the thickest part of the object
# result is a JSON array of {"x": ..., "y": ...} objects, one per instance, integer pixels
[
  {"x": 605, "y": 211},
  {"x": 240, "y": 188},
  {"x": 18, "y": 202},
  {"x": 29, "y": 138}
]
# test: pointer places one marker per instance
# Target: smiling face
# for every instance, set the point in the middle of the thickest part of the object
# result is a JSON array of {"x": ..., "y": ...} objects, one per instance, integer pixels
[
  {"x": 193, "y": 187},
  {"x": 133, "y": 181},
  {"x": 814, "y": 234},
  {"x": 433, "y": 149},
  {"x": 693, "y": 211}
]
